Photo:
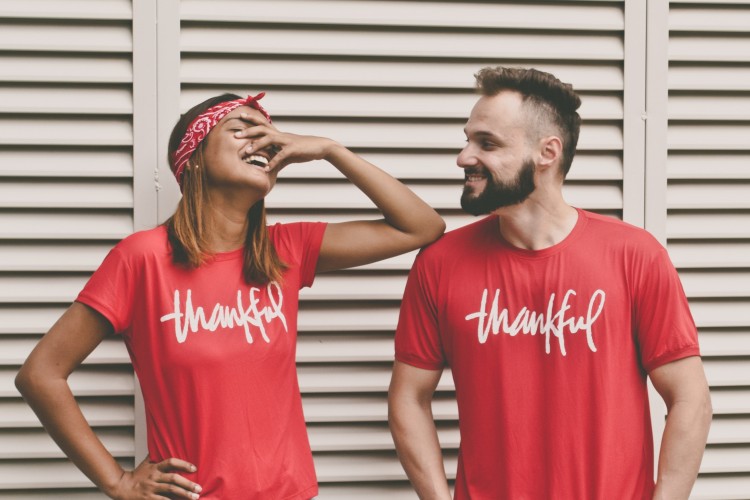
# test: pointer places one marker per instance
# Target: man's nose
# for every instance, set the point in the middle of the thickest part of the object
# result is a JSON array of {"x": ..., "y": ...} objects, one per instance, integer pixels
[{"x": 466, "y": 158}]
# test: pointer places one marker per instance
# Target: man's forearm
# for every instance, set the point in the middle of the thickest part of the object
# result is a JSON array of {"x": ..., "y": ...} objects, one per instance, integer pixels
[
  {"x": 682, "y": 448},
  {"x": 418, "y": 448}
]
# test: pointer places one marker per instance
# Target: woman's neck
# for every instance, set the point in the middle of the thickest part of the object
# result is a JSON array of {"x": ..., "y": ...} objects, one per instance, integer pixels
[{"x": 227, "y": 224}]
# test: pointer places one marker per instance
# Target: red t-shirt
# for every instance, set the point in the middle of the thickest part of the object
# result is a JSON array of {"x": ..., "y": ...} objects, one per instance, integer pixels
[
  {"x": 549, "y": 352},
  {"x": 215, "y": 358}
]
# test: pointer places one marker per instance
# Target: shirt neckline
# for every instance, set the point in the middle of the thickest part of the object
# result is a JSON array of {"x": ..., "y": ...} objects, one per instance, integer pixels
[
  {"x": 545, "y": 252},
  {"x": 230, "y": 255}
]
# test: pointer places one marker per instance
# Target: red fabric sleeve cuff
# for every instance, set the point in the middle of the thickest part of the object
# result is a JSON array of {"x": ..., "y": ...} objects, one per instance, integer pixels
[
  {"x": 418, "y": 362},
  {"x": 108, "y": 314},
  {"x": 685, "y": 352},
  {"x": 316, "y": 241}
]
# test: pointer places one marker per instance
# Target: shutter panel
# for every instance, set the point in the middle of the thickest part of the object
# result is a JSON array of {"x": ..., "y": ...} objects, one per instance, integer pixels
[
  {"x": 708, "y": 218},
  {"x": 66, "y": 197},
  {"x": 393, "y": 81}
]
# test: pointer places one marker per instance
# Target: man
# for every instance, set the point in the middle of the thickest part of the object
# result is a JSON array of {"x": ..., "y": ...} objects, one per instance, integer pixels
[{"x": 551, "y": 319}]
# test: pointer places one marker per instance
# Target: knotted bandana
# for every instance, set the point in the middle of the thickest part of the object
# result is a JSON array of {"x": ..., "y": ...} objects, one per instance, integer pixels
[{"x": 201, "y": 126}]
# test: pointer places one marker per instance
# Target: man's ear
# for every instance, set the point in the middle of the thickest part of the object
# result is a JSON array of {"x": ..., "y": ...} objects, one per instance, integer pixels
[{"x": 550, "y": 151}]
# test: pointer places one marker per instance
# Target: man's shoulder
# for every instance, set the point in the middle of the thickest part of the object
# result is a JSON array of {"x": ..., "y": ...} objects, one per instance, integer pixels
[
  {"x": 620, "y": 238},
  {"x": 608, "y": 228},
  {"x": 460, "y": 238}
]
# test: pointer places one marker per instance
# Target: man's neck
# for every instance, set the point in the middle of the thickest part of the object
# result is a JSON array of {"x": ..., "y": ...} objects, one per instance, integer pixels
[{"x": 538, "y": 223}]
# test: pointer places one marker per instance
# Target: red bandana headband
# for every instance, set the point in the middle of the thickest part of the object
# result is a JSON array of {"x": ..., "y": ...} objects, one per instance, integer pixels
[{"x": 201, "y": 126}]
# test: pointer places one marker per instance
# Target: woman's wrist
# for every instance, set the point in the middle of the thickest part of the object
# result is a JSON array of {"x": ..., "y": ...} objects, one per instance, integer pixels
[
  {"x": 111, "y": 484},
  {"x": 333, "y": 151}
]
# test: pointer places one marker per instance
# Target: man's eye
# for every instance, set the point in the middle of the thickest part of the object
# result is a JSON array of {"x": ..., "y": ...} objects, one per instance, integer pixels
[{"x": 487, "y": 145}]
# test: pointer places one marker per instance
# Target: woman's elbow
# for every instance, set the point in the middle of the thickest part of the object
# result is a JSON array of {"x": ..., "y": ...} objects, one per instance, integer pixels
[
  {"x": 29, "y": 380},
  {"x": 24, "y": 379},
  {"x": 433, "y": 230}
]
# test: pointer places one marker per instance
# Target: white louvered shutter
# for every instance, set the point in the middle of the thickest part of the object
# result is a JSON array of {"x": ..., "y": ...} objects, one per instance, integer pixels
[
  {"x": 66, "y": 197},
  {"x": 393, "y": 81},
  {"x": 708, "y": 217}
]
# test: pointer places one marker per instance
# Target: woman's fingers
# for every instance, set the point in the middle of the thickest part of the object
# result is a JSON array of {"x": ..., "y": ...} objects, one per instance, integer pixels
[
  {"x": 256, "y": 120},
  {"x": 260, "y": 144},
  {"x": 265, "y": 137},
  {"x": 171, "y": 485},
  {"x": 171, "y": 464},
  {"x": 175, "y": 484},
  {"x": 276, "y": 152},
  {"x": 284, "y": 148},
  {"x": 251, "y": 132},
  {"x": 158, "y": 481},
  {"x": 171, "y": 478},
  {"x": 279, "y": 160}
]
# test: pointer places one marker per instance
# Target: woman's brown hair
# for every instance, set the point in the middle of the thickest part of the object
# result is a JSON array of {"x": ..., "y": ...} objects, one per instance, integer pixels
[{"x": 187, "y": 229}]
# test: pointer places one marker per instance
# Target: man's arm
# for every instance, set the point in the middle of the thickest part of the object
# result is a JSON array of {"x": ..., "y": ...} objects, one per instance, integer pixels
[
  {"x": 682, "y": 384},
  {"x": 413, "y": 429}
]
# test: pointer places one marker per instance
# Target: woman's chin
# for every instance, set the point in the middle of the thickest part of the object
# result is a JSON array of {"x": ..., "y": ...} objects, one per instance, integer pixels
[{"x": 243, "y": 188}]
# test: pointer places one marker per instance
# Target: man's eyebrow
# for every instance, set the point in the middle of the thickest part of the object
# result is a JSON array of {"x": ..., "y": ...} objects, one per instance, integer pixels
[{"x": 482, "y": 133}]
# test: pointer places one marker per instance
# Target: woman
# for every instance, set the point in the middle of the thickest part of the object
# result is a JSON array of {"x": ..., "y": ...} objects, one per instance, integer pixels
[{"x": 207, "y": 305}]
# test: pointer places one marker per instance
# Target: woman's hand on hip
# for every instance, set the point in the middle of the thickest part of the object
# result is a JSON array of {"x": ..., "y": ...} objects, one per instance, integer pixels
[{"x": 152, "y": 481}]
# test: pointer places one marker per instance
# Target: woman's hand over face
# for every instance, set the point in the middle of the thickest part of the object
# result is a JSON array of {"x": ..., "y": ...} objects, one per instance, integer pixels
[{"x": 283, "y": 148}]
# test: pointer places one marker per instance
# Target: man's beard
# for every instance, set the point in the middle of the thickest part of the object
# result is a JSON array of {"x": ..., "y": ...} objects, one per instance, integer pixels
[{"x": 500, "y": 194}]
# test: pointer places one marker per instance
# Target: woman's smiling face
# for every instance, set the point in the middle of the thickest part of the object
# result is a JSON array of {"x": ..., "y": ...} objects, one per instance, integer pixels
[{"x": 228, "y": 166}]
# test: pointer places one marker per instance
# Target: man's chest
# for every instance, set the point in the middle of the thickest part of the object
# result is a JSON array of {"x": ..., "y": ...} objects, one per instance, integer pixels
[{"x": 541, "y": 310}]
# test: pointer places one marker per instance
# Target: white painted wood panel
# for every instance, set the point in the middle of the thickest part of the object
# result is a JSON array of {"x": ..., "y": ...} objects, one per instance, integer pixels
[
  {"x": 412, "y": 14},
  {"x": 66, "y": 196},
  {"x": 708, "y": 217}
]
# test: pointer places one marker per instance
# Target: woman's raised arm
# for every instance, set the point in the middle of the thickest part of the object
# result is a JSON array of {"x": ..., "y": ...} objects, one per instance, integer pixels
[{"x": 409, "y": 223}]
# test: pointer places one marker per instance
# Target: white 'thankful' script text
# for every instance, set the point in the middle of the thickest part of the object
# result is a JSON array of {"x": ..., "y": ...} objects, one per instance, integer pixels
[
  {"x": 224, "y": 316},
  {"x": 553, "y": 322}
]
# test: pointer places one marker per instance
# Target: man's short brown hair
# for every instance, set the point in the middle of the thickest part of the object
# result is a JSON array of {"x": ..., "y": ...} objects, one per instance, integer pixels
[{"x": 549, "y": 101}]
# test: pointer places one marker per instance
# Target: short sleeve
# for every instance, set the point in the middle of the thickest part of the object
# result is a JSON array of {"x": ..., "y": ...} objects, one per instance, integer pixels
[
  {"x": 417, "y": 334},
  {"x": 110, "y": 290},
  {"x": 665, "y": 330},
  {"x": 314, "y": 232},
  {"x": 302, "y": 241}
]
